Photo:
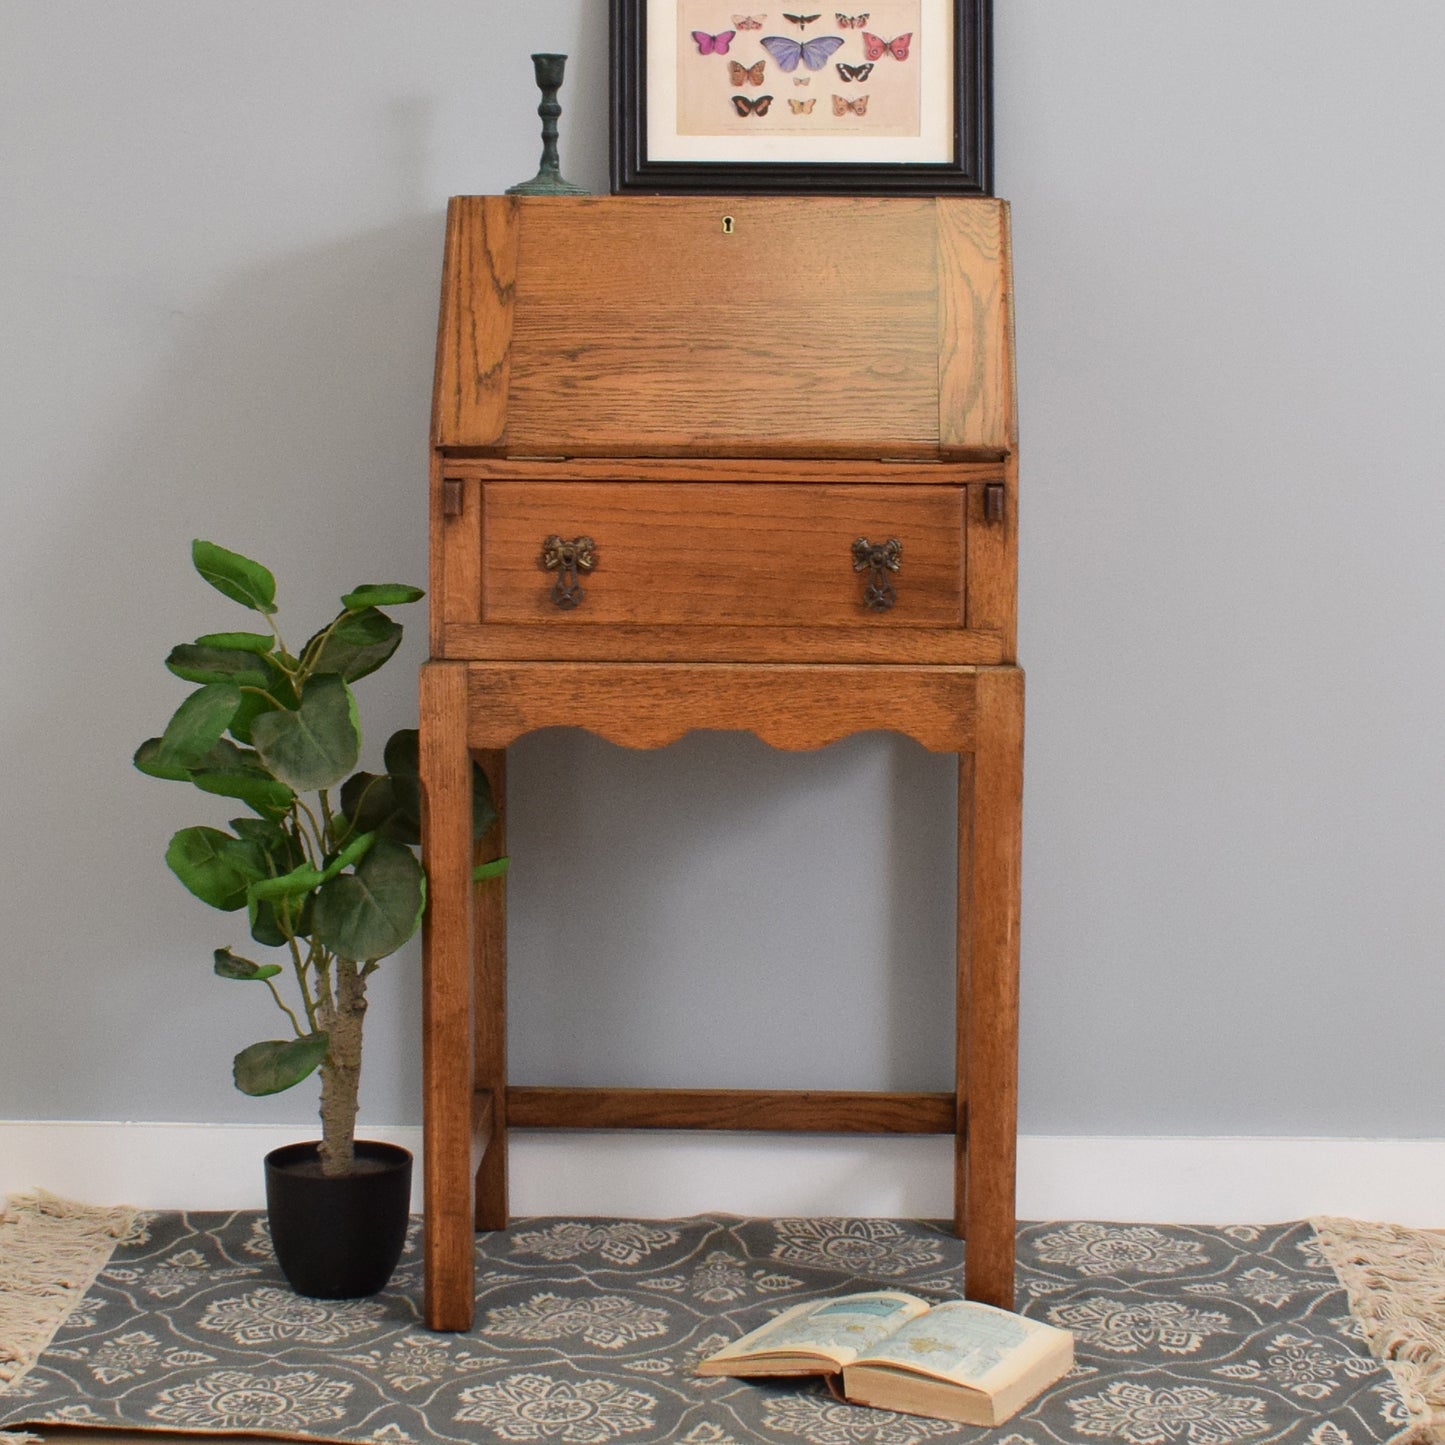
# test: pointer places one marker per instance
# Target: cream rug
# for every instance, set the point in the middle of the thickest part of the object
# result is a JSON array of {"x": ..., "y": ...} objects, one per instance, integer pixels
[
  {"x": 50, "y": 1253},
  {"x": 1395, "y": 1279}
]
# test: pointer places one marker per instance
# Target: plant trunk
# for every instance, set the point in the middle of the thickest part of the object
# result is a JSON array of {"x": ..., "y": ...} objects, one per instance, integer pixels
[{"x": 341, "y": 1069}]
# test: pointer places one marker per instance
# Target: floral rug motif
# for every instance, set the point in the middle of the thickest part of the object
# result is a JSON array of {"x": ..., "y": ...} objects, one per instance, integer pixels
[{"x": 587, "y": 1332}]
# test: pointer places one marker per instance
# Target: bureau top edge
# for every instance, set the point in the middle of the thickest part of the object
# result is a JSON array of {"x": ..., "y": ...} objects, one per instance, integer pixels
[
  {"x": 705, "y": 470},
  {"x": 731, "y": 326}
]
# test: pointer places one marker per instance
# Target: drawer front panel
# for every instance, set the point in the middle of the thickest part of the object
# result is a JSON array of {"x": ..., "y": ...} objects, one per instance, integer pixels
[{"x": 751, "y": 554}]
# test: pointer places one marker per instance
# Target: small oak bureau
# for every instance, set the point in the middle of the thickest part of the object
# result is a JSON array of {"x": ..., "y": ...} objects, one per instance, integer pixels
[{"x": 719, "y": 462}]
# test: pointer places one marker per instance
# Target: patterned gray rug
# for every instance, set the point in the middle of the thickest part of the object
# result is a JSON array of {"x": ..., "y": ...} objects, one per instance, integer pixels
[{"x": 588, "y": 1329}]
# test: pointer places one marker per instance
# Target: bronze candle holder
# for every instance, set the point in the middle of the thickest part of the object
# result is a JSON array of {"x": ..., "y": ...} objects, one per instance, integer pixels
[{"x": 548, "y": 180}]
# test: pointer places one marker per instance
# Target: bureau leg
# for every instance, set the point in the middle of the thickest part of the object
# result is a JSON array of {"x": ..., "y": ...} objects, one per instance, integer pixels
[
  {"x": 446, "y": 832},
  {"x": 490, "y": 973},
  {"x": 990, "y": 833}
]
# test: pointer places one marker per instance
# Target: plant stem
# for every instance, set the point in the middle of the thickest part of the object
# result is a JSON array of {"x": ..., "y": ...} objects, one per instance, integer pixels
[
  {"x": 341, "y": 1069},
  {"x": 317, "y": 837},
  {"x": 312, "y": 651},
  {"x": 285, "y": 1009}
]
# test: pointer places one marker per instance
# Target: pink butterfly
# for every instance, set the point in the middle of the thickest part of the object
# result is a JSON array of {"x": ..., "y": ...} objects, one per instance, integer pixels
[
  {"x": 897, "y": 48},
  {"x": 715, "y": 44}
]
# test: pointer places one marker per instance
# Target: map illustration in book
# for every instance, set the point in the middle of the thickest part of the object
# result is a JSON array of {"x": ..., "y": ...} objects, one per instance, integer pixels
[{"x": 953, "y": 1361}]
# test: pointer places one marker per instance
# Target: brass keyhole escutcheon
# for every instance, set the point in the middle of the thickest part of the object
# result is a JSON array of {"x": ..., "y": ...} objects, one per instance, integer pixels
[
  {"x": 568, "y": 560},
  {"x": 879, "y": 594},
  {"x": 727, "y": 225}
]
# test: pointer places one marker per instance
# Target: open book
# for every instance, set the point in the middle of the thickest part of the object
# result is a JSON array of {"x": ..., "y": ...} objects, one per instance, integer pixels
[{"x": 955, "y": 1361}]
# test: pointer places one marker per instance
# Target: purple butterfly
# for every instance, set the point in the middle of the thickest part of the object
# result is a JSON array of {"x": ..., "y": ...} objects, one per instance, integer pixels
[
  {"x": 813, "y": 53},
  {"x": 716, "y": 44}
]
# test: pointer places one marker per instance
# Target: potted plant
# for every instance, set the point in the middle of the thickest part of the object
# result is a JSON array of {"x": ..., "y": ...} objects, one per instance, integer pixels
[{"x": 325, "y": 869}]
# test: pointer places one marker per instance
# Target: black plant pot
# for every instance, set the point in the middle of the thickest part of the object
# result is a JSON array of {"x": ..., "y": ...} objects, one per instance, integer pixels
[{"x": 338, "y": 1238}]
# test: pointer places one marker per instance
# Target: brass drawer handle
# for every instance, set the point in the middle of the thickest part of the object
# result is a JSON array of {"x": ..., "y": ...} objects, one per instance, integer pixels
[
  {"x": 568, "y": 560},
  {"x": 879, "y": 594}
]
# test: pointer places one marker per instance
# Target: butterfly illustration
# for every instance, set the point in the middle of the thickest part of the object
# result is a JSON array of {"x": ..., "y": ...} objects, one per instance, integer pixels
[
  {"x": 713, "y": 44},
  {"x": 749, "y": 22},
  {"x": 852, "y": 22},
  {"x": 803, "y": 107},
  {"x": 897, "y": 48},
  {"x": 744, "y": 106},
  {"x": 802, "y": 80},
  {"x": 746, "y": 75},
  {"x": 842, "y": 107},
  {"x": 801, "y": 21},
  {"x": 813, "y": 53},
  {"x": 854, "y": 72}
]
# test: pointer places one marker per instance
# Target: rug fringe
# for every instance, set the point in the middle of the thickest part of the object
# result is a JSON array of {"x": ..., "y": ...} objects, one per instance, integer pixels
[
  {"x": 1395, "y": 1280},
  {"x": 51, "y": 1250}
]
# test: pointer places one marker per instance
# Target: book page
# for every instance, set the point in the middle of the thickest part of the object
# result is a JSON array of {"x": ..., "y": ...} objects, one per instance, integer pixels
[
  {"x": 966, "y": 1343},
  {"x": 839, "y": 1329}
]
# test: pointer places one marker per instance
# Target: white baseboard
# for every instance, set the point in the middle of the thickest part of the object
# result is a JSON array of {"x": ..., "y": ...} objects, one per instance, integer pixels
[{"x": 1164, "y": 1180}]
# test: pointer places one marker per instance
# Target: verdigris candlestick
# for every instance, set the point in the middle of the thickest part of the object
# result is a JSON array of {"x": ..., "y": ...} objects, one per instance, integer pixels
[{"x": 548, "y": 180}]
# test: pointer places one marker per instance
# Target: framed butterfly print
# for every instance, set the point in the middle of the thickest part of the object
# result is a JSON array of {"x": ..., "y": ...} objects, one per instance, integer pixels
[{"x": 708, "y": 96}]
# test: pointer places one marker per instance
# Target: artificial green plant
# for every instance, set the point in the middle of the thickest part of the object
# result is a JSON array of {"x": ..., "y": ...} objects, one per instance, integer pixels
[{"x": 325, "y": 866}]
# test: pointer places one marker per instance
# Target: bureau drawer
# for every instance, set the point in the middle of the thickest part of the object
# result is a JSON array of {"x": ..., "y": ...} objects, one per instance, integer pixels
[{"x": 739, "y": 554}]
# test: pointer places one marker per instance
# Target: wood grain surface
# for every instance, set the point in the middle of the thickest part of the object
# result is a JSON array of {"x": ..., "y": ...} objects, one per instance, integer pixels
[
  {"x": 640, "y": 642},
  {"x": 703, "y": 470},
  {"x": 990, "y": 844},
  {"x": 648, "y": 705},
  {"x": 447, "y": 1075},
  {"x": 474, "y": 335},
  {"x": 811, "y": 330},
  {"x": 489, "y": 976},
  {"x": 813, "y": 1111},
  {"x": 975, "y": 376},
  {"x": 671, "y": 554}
]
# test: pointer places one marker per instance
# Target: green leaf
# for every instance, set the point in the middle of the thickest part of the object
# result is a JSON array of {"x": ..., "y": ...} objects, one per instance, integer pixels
[
  {"x": 381, "y": 594},
  {"x": 303, "y": 879},
  {"x": 270, "y": 835},
  {"x": 370, "y": 913},
  {"x": 200, "y": 663},
  {"x": 369, "y": 801},
  {"x": 216, "y": 867},
  {"x": 238, "y": 577},
  {"x": 289, "y": 885},
  {"x": 494, "y": 869},
  {"x": 360, "y": 643},
  {"x": 402, "y": 764},
  {"x": 402, "y": 754},
  {"x": 275, "y": 926},
  {"x": 402, "y": 767},
  {"x": 238, "y": 641},
  {"x": 232, "y": 772},
  {"x": 318, "y": 744},
  {"x": 282, "y": 854},
  {"x": 197, "y": 725},
  {"x": 232, "y": 965},
  {"x": 356, "y": 849},
  {"x": 278, "y": 1064},
  {"x": 278, "y": 693},
  {"x": 153, "y": 763}
]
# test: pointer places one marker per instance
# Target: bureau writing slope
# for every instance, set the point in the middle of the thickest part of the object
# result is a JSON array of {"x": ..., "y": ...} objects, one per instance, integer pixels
[{"x": 719, "y": 462}]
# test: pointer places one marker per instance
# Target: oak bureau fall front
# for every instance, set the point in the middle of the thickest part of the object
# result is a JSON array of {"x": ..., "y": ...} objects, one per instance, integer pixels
[{"x": 734, "y": 462}]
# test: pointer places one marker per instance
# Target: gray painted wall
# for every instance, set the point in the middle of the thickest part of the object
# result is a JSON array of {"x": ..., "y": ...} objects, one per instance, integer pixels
[{"x": 218, "y": 272}]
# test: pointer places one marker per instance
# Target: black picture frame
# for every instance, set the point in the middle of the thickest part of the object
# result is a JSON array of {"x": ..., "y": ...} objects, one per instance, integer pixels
[{"x": 968, "y": 172}]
